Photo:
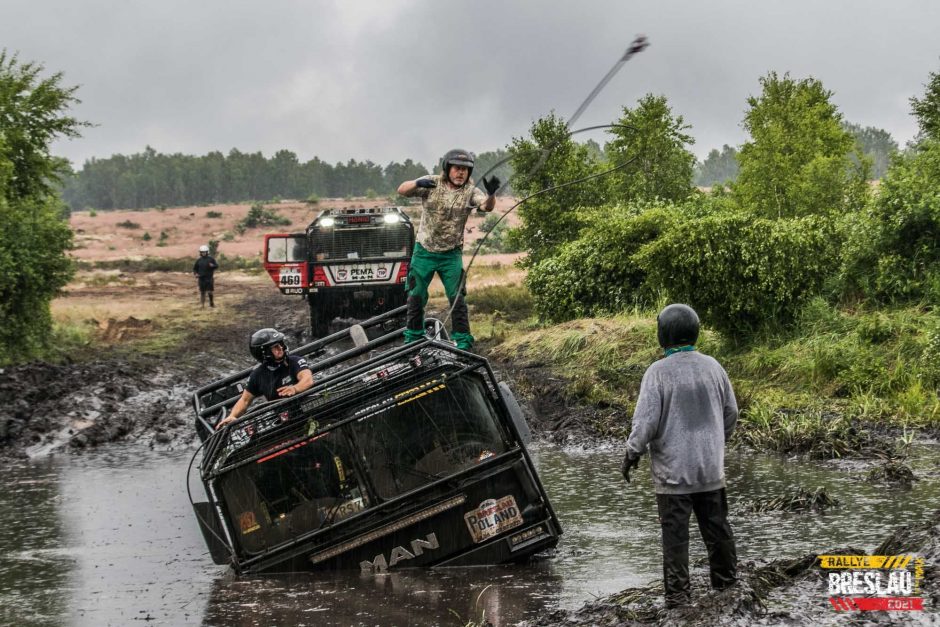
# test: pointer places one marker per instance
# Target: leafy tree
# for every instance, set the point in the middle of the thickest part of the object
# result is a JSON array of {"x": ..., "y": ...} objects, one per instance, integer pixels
[
  {"x": 893, "y": 253},
  {"x": 799, "y": 160},
  {"x": 34, "y": 235},
  {"x": 718, "y": 168},
  {"x": 656, "y": 140},
  {"x": 876, "y": 144},
  {"x": 546, "y": 158},
  {"x": 927, "y": 108}
]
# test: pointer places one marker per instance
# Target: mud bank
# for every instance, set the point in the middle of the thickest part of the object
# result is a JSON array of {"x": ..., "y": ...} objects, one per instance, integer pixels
[
  {"x": 783, "y": 591},
  {"x": 551, "y": 412},
  {"x": 119, "y": 395}
]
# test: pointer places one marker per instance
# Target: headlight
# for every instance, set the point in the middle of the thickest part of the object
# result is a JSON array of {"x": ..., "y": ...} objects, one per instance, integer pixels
[
  {"x": 392, "y": 218},
  {"x": 327, "y": 222}
]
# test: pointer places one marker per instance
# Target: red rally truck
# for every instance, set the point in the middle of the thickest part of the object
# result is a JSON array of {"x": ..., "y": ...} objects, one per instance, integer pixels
[{"x": 349, "y": 263}]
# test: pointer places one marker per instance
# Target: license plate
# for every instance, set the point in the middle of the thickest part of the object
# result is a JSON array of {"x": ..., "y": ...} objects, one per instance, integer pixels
[
  {"x": 493, "y": 517},
  {"x": 356, "y": 273}
]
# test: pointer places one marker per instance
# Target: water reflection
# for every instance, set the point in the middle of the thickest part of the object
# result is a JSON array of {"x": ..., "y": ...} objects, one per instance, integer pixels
[
  {"x": 109, "y": 538},
  {"x": 36, "y": 561},
  {"x": 502, "y": 595}
]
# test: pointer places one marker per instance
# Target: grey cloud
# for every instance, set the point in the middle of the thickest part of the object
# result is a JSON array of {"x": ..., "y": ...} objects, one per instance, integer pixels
[{"x": 386, "y": 81}]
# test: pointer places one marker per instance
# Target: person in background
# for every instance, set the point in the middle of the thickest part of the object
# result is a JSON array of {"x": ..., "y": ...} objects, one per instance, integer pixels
[
  {"x": 447, "y": 200},
  {"x": 685, "y": 413},
  {"x": 279, "y": 375},
  {"x": 203, "y": 270}
]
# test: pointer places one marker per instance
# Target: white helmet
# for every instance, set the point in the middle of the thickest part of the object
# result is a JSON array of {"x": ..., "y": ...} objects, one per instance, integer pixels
[{"x": 203, "y": 249}]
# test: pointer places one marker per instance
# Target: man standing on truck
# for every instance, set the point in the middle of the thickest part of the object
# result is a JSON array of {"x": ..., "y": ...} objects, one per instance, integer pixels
[
  {"x": 279, "y": 375},
  {"x": 685, "y": 413},
  {"x": 203, "y": 270},
  {"x": 447, "y": 200}
]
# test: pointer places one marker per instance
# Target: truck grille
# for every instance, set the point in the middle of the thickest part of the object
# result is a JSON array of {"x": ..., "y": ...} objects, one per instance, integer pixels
[{"x": 382, "y": 241}]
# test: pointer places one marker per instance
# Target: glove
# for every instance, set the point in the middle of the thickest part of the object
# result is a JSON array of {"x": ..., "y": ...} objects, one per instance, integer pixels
[
  {"x": 491, "y": 185},
  {"x": 426, "y": 183},
  {"x": 628, "y": 464}
]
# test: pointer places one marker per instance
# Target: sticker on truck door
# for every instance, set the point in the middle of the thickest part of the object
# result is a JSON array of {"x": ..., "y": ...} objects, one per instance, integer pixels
[
  {"x": 290, "y": 276},
  {"x": 362, "y": 272},
  {"x": 493, "y": 517}
]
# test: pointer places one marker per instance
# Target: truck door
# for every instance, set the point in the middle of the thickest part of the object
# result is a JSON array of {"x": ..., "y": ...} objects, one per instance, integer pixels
[{"x": 285, "y": 260}]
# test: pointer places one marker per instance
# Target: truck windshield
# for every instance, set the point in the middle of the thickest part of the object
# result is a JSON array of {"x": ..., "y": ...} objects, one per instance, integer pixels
[
  {"x": 300, "y": 488},
  {"x": 444, "y": 427}
]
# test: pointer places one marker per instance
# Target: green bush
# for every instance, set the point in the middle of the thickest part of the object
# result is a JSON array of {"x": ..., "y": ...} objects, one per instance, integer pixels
[
  {"x": 597, "y": 273},
  {"x": 313, "y": 199},
  {"x": 893, "y": 250},
  {"x": 259, "y": 216},
  {"x": 146, "y": 236},
  {"x": 92, "y": 213},
  {"x": 127, "y": 224},
  {"x": 213, "y": 214},
  {"x": 742, "y": 273}
]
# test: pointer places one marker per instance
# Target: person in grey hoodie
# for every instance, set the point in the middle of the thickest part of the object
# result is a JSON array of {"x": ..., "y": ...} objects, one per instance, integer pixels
[{"x": 685, "y": 413}]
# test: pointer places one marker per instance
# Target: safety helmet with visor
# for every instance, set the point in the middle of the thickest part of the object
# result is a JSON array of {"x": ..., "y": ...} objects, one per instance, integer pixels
[
  {"x": 203, "y": 250},
  {"x": 261, "y": 343}
]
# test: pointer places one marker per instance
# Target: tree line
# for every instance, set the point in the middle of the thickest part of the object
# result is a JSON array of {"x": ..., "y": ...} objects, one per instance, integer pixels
[
  {"x": 152, "y": 179},
  {"x": 721, "y": 166}
]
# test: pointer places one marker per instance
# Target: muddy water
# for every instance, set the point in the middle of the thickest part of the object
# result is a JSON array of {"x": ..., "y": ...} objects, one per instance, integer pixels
[{"x": 109, "y": 538}]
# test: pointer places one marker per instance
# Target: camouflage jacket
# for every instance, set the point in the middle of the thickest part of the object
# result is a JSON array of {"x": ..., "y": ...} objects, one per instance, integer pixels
[{"x": 445, "y": 213}]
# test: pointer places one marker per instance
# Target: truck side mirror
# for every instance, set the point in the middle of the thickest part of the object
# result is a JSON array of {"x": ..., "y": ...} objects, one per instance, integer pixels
[{"x": 515, "y": 412}]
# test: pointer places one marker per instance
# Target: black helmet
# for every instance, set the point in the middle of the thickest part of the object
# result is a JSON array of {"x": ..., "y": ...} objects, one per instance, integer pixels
[
  {"x": 677, "y": 325},
  {"x": 457, "y": 156},
  {"x": 261, "y": 342}
]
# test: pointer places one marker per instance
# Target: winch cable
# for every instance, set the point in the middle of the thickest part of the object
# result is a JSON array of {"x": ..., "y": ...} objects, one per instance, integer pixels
[
  {"x": 639, "y": 44},
  {"x": 620, "y": 166}
]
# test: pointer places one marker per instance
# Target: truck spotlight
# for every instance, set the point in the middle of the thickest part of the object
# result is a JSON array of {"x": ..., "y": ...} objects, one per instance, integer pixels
[
  {"x": 327, "y": 222},
  {"x": 392, "y": 218}
]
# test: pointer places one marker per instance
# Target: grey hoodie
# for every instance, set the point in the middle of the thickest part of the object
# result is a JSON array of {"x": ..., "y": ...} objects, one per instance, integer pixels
[{"x": 685, "y": 413}]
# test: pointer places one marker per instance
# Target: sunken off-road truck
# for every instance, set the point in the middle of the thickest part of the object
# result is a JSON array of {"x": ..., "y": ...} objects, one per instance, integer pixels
[
  {"x": 349, "y": 263},
  {"x": 399, "y": 456}
]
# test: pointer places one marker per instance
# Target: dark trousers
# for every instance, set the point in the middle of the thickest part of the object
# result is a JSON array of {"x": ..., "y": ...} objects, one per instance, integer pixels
[{"x": 711, "y": 512}]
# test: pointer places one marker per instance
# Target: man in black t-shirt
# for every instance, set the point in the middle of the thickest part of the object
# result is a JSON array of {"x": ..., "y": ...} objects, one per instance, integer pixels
[{"x": 280, "y": 374}]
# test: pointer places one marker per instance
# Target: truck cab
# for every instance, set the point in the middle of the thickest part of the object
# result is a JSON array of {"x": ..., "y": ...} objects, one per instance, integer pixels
[
  {"x": 349, "y": 263},
  {"x": 399, "y": 456}
]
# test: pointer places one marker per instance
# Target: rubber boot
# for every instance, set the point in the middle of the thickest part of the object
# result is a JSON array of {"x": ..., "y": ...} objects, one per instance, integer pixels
[{"x": 211, "y": 302}]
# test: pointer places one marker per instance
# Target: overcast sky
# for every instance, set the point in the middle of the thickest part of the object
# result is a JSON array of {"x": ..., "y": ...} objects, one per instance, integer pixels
[{"x": 387, "y": 80}]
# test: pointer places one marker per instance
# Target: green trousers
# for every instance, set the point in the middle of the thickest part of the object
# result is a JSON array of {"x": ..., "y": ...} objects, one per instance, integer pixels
[{"x": 449, "y": 266}]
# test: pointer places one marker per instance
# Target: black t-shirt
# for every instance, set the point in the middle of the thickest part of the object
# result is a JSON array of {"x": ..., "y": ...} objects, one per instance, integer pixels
[
  {"x": 205, "y": 267},
  {"x": 265, "y": 382}
]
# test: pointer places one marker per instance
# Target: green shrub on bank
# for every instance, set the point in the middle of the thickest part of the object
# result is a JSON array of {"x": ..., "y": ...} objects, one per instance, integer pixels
[
  {"x": 597, "y": 273},
  {"x": 893, "y": 253},
  {"x": 742, "y": 273}
]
